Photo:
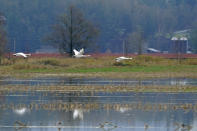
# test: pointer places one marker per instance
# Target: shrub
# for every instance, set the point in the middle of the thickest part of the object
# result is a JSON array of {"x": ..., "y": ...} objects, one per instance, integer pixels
[
  {"x": 190, "y": 62},
  {"x": 119, "y": 64},
  {"x": 5, "y": 61},
  {"x": 23, "y": 66},
  {"x": 151, "y": 59},
  {"x": 52, "y": 62}
]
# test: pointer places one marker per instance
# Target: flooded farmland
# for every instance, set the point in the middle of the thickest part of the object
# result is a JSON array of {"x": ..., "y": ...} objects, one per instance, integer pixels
[
  {"x": 45, "y": 110},
  {"x": 96, "y": 81}
]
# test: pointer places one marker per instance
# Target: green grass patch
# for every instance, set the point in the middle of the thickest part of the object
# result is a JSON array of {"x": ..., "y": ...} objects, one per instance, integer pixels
[
  {"x": 103, "y": 65},
  {"x": 146, "y": 69}
]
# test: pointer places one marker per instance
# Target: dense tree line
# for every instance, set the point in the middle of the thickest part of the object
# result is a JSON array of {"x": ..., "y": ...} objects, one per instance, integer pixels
[
  {"x": 3, "y": 39},
  {"x": 29, "y": 21}
]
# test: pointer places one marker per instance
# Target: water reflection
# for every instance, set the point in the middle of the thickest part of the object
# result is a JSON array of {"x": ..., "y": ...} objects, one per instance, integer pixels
[
  {"x": 21, "y": 111},
  {"x": 46, "y": 111},
  {"x": 78, "y": 113}
]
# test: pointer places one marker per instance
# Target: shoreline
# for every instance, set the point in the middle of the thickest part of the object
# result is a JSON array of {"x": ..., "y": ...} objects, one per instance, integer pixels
[{"x": 109, "y": 75}]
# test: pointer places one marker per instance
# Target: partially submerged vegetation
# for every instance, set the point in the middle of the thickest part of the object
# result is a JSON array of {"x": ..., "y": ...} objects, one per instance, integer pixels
[
  {"x": 95, "y": 89},
  {"x": 139, "y": 67}
]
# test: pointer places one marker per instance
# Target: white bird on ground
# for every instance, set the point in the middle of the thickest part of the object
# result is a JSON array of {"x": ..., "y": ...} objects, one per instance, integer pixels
[
  {"x": 119, "y": 59},
  {"x": 79, "y": 54},
  {"x": 22, "y": 54}
]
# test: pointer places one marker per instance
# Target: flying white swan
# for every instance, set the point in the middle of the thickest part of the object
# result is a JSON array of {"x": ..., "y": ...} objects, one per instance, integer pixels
[
  {"x": 22, "y": 54},
  {"x": 119, "y": 59},
  {"x": 79, "y": 54}
]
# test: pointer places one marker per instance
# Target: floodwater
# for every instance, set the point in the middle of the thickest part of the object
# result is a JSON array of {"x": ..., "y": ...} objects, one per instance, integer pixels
[
  {"x": 100, "y": 111},
  {"x": 97, "y": 81}
]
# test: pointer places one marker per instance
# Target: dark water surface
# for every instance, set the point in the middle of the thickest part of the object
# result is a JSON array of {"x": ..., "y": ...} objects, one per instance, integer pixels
[{"x": 74, "y": 111}]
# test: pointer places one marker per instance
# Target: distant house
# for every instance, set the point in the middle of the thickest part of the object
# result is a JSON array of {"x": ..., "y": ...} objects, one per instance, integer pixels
[
  {"x": 46, "y": 49},
  {"x": 152, "y": 50}
]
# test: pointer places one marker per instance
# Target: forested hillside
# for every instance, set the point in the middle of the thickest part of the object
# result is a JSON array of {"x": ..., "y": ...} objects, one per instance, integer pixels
[{"x": 28, "y": 21}]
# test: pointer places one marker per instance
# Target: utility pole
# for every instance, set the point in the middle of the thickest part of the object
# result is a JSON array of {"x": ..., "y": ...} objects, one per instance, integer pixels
[
  {"x": 71, "y": 31},
  {"x": 123, "y": 47},
  {"x": 14, "y": 46}
]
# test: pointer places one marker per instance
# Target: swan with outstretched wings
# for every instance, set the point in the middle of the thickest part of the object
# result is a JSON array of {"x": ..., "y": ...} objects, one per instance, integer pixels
[
  {"x": 22, "y": 54},
  {"x": 79, "y": 54},
  {"x": 119, "y": 59}
]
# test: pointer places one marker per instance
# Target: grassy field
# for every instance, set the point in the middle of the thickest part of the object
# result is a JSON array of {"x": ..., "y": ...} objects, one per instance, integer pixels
[{"x": 139, "y": 67}]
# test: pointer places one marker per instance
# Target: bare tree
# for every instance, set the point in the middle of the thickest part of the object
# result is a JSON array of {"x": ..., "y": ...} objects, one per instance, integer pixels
[
  {"x": 73, "y": 31},
  {"x": 3, "y": 39}
]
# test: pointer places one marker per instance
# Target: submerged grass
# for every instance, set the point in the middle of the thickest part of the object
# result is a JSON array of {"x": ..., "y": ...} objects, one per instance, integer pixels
[
  {"x": 154, "y": 68},
  {"x": 99, "y": 66},
  {"x": 89, "y": 88}
]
